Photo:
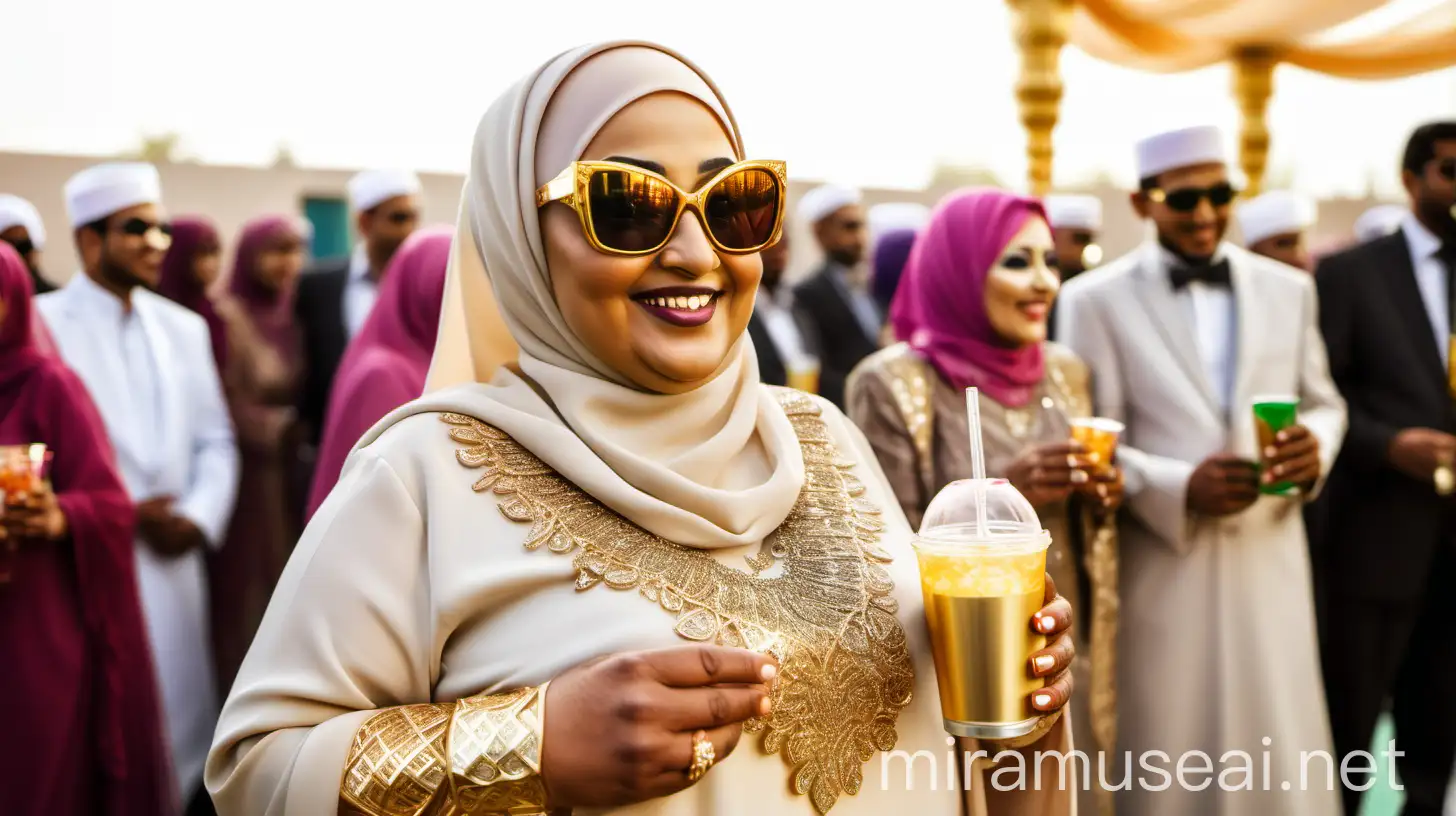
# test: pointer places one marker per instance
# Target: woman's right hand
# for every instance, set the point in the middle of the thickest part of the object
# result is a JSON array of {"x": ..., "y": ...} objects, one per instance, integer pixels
[
  {"x": 620, "y": 730},
  {"x": 1047, "y": 474}
]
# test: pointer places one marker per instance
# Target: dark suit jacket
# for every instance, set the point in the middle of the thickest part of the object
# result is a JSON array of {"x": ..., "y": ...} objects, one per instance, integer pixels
[
  {"x": 837, "y": 334},
  {"x": 319, "y": 309},
  {"x": 771, "y": 369},
  {"x": 1381, "y": 529}
]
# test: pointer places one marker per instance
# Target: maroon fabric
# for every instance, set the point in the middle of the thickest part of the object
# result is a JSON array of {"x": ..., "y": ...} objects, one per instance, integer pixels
[
  {"x": 192, "y": 237},
  {"x": 385, "y": 365},
  {"x": 78, "y": 692}
]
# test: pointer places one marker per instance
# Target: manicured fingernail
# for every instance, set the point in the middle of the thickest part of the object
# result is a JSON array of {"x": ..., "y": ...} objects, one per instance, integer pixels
[
  {"x": 1102, "y": 491},
  {"x": 768, "y": 672},
  {"x": 1043, "y": 663},
  {"x": 1046, "y": 623},
  {"x": 1282, "y": 436},
  {"x": 1041, "y": 700},
  {"x": 1079, "y": 477},
  {"x": 765, "y": 707},
  {"x": 1071, "y": 461},
  {"x": 1270, "y": 452}
]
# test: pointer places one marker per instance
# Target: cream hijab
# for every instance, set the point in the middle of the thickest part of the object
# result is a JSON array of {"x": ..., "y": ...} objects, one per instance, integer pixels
[{"x": 719, "y": 466}]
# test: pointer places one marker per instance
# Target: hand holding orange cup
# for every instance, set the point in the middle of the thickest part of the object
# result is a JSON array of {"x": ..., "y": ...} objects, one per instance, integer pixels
[{"x": 1099, "y": 436}]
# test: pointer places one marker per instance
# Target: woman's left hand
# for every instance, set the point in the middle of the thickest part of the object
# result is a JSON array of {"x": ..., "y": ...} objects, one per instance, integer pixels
[
  {"x": 1054, "y": 663},
  {"x": 1105, "y": 489}
]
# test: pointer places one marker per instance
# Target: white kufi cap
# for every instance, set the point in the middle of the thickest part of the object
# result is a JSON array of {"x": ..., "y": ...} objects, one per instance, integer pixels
[
  {"x": 825, "y": 200},
  {"x": 1082, "y": 212},
  {"x": 1378, "y": 222},
  {"x": 896, "y": 215},
  {"x": 99, "y": 191},
  {"x": 1276, "y": 212},
  {"x": 1180, "y": 148},
  {"x": 17, "y": 212},
  {"x": 370, "y": 188}
]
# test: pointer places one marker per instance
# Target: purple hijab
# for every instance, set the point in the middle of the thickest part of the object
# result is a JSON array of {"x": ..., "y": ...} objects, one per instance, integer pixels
[
  {"x": 270, "y": 310},
  {"x": 892, "y": 250},
  {"x": 386, "y": 364},
  {"x": 192, "y": 236},
  {"x": 940, "y": 308}
]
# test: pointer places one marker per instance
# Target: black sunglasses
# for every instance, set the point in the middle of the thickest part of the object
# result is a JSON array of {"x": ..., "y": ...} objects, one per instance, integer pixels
[
  {"x": 139, "y": 227},
  {"x": 23, "y": 247},
  {"x": 1447, "y": 168},
  {"x": 1187, "y": 199}
]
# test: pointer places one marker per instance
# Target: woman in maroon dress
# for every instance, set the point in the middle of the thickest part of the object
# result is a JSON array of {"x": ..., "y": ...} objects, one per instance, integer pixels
[{"x": 78, "y": 697}]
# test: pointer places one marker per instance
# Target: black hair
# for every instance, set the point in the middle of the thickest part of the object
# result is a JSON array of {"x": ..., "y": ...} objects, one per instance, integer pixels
[{"x": 1421, "y": 147}]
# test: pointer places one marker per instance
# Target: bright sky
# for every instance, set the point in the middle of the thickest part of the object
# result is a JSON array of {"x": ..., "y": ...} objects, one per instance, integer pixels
[{"x": 879, "y": 93}]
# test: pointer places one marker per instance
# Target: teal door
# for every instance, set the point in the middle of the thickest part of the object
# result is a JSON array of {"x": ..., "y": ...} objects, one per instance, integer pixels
[{"x": 330, "y": 219}]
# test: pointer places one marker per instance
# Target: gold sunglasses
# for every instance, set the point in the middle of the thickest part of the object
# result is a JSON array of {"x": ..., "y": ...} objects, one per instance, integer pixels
[{"x": 626, "y": 210}]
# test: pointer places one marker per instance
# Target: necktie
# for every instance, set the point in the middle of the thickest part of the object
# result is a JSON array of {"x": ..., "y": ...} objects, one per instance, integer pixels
[{"x": 1211, "y": 274}]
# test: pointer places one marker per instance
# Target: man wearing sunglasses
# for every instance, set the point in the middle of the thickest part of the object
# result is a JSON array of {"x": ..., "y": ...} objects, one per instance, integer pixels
[
  {"x": 1275, "y": 225},
  {"x": 335, "y": 297},
  {"x": 21, "y": 227},
  {"x": 1076, "y": 221},
  {"x": 843, "y": 316},
  {"x": 148, "y": 364},
  {"x": 1182, "y": 336},
  {"x": 1389, "y": 548}
]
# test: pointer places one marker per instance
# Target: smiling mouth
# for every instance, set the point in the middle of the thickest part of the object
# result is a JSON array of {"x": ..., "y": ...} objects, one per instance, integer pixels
[
  {"x": 1035, "y": 309},
  {"x": 683, "y": 306}
]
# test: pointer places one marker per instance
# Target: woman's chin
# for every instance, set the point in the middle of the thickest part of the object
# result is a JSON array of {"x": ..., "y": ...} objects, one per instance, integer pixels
[{"x": 678, "y": 373}]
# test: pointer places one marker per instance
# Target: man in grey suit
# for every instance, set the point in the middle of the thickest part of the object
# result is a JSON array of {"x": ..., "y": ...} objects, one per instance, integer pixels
[{"x": 1217, "y": 647}]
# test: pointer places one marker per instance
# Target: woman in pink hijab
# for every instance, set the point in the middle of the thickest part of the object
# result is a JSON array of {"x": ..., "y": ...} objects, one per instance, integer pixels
[
  {"x": 971, "y": 310},
  {"x": 386, "y": 364},
  {"x": 78, "y": 696}
]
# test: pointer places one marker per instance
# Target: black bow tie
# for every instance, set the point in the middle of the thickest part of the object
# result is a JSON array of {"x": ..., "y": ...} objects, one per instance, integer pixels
[{"x": 1211, "y": 274}]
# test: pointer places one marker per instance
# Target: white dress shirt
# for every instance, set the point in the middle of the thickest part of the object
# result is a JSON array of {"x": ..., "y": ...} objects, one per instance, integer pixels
[
  {"x": 1215, "y": 321},
  {"x": 783, "y": 329},
  {"x": 360, "y": 291},
  {"x": 1431, "y": 278}
]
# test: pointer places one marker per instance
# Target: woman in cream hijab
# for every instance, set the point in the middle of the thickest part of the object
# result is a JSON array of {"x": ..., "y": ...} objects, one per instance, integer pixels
[{"x": 597, "y": 482}]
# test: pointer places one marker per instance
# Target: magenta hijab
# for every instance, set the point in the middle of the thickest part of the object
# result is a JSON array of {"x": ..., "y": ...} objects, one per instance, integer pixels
[
  {"x": 191, "y": 237},
  {"x": 386, "y": 363},
  {"x": 271, "y": 311},
  {"x": 940, "y": 305}
]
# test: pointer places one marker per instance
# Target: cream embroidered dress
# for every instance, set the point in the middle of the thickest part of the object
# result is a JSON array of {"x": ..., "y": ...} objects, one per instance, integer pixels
[{"x": 529, "y": 518}]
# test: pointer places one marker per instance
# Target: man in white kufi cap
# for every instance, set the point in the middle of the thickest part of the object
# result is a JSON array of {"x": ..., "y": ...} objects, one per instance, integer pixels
[
  {"x": 1275, "y": 225},
  {"x": 1183, "y": 335},
  {"x": 21, "y": 227},
  {"x": 148, "y": 364},
  {"x": 1389, "y": 535},
  {"x": 1378, "y": 222},
  {"x": 336, "y": 296},
  {"x": 1076, "y": 222},
  {"x": 841, "y": 313}
]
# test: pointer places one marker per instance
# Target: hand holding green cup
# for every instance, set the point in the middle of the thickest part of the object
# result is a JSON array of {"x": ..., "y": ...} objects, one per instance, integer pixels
[{"x": 1273, "y": 414}]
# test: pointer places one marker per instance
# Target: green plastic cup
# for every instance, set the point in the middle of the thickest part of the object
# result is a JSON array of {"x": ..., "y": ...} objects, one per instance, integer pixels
[{"x": 1273, "y": 414}]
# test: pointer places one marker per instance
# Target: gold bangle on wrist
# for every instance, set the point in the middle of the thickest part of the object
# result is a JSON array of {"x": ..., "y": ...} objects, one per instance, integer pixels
[
  {"x": 480, "y": 756},
  {"x": 495, "y": 754}
]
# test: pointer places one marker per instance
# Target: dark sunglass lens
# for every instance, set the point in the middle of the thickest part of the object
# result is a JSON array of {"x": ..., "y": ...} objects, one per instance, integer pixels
[
  {"x": 1184, "y": 200},
  {"x": 743, "y": 209},
  {"x": 1447, "y": 169},
  {"x": 166, "y": 228},
  {"x": 1221, "y": 195},
  {"x": 401, "y": 218},
  {"x": 135, "y": 226},
  {"x": 23, "y": 247},
  {"x": 630, "y": 212}
]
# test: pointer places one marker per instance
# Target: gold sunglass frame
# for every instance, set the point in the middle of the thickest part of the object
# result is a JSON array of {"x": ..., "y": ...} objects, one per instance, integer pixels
[{"x": 573, "y": 187}]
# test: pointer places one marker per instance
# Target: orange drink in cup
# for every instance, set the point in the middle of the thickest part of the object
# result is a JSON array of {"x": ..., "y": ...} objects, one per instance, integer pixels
[{"x": 1099, "y": 436}]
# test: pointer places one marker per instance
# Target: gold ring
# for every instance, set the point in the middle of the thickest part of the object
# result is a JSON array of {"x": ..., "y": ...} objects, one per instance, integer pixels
[{"x": 703, "y": 757}]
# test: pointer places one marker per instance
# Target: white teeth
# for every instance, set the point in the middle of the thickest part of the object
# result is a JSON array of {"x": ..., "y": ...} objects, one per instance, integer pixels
[
  {"x": 695, "y": 302},
  {"x": 687, "y": 304}
]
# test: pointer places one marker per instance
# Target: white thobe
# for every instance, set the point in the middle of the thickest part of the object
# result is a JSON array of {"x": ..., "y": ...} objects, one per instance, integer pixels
[
  {"x": 150, "y": 371},
  {"x": 361, "y": 290}
]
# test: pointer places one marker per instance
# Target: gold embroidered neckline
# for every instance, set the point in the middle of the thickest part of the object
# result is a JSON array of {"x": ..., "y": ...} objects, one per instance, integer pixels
[{"x": 829, "y": 616}]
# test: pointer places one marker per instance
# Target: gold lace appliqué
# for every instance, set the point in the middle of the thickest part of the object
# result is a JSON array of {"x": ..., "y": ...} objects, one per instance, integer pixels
[{"x": 828, "y": 616}]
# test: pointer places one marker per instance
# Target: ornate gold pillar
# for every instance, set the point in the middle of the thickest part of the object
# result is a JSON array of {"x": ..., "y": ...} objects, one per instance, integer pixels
[
  {"x": 1253, "y": 87},
  {"x": 1040, "y": 29}
]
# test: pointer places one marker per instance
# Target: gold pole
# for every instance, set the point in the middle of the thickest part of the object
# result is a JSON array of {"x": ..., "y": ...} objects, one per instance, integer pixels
[
  {"x": 1253, "y": 88},
  {"x": 1040, "y": 29}
]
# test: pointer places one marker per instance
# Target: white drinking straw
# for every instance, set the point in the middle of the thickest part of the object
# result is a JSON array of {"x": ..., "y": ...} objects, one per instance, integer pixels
[{"x": 978, "y": 457}]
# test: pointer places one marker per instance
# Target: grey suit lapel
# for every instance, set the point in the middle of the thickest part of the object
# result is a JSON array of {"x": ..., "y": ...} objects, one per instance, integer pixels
[{"x": 1170, "y": 316}]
